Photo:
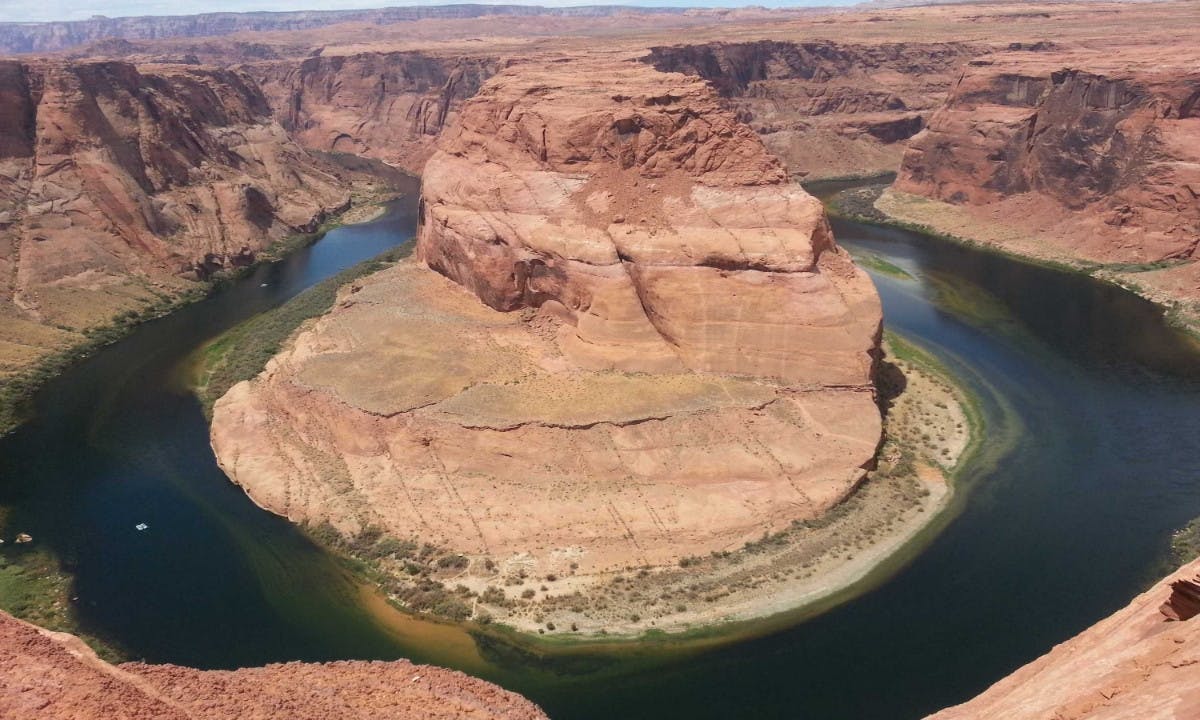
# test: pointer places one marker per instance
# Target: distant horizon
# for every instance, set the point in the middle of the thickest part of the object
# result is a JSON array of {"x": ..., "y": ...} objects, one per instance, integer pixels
[{"x": 21, "y": 11}]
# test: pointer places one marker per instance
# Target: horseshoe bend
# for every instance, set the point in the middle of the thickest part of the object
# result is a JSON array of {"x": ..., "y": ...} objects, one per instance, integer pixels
[
  {"x": 528, "y": 355},
  {"x": 626, "y": 339}
]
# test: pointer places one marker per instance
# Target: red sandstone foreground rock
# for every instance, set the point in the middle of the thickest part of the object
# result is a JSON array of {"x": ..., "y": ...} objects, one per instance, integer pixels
[
  {"x": 648, "y": 347},
  {"x": 1138, "y": 664},
  {"x": 53, "y": 676}
]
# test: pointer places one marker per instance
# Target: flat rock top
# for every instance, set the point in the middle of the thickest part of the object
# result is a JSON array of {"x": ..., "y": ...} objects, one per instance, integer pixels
[
  {"x": 583, "y": 400},
  {"x": 410, "y": 340}
]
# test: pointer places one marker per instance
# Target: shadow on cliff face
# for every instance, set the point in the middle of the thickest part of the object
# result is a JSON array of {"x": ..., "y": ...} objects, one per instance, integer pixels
[{"x": 890, "y": 384}]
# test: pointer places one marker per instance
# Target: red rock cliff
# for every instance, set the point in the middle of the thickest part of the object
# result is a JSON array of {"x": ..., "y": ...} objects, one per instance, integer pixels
[
  {"x": 116, "y": 179},
  {"x": 635, "y": 205},
  {"x": 826, "y": 108},
  {"x": 390, "y": 106},
  {"x": 1110, "y": 141}
]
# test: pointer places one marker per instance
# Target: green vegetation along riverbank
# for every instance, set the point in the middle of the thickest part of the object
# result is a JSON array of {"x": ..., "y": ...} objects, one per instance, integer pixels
[{"x": 878, "y": 203}]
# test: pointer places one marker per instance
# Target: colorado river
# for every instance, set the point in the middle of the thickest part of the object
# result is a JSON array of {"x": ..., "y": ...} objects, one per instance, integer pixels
[{"x": 1091, "y": 399}]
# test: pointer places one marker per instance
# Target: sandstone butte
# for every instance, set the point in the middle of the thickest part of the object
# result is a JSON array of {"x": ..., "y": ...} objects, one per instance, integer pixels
[
  {"x": 1137, "y": 664},
  {"x": 46, "y": 675},
  {"x": 628, "y": 338}
]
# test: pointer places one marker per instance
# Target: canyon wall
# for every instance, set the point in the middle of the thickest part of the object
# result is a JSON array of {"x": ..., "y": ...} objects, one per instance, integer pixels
[
  {"x": 1098, "y": 155},
  {"x": 117, "y": 181},
  {"x": 1138, "y": 664},
  {"x": 386, "y": 105},
  {"x": 641, "y": 344},
  {"x": 54, "y": 676},
  {"x": 826, "y": 108}
]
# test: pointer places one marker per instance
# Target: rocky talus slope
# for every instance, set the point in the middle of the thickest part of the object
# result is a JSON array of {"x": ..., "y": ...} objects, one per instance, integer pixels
[
  {"x": 117, "y": 182},
  {"x": 1083, "y": 155},
  {"x": 54, "y": 676},
  {"x": 826, "y": 108},
  {"x": 386, "y": 105},
  {"x": 1138, "y": 664},
  {"x": 641, "y": 343}
]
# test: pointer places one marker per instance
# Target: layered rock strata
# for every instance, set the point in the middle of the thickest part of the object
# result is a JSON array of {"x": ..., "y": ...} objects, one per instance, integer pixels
[
  {"x": 117, "y": 181},
  {"x": 55, "y": 676},
  {"x": 1097, "y": 154},
  {"x": 389, "y": 106},
  {"x": 1138, "y": 664},
  {"x": 826, "y": 108},
  {"x": 641, "y": 343}
]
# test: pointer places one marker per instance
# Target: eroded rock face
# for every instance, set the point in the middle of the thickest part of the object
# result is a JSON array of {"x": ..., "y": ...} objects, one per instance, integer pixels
[
  {"x": 636, "y": 207},
  {"x": 1138, "y": 664},
  {"x": 115, "y": 181},
  {"x": 641, "y": 344},
  {"x": 389, "y": 106},
  {"x": 55, "y": 676},
  {"x": 826, "y": 108},
  {"x": 1111, "y": 142}
]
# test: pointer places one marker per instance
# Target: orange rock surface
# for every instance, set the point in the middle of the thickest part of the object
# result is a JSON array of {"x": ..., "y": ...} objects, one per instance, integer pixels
[
  {"x": 54, "y": 676},
  {"x": 633, "y": 206}
]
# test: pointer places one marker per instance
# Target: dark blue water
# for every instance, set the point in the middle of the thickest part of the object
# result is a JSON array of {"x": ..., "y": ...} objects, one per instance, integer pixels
[{"x": 1091, "y": 462}]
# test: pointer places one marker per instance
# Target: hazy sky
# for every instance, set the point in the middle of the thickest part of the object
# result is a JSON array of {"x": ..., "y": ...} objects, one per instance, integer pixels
[{"x": 27, "y": 10}]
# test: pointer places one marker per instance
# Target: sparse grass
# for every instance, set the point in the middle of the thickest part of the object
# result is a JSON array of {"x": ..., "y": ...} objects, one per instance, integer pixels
[
  {"x": 1185, "y": 544},
  {"x": 411, "y": 574},
  {"x": 34, "y": 589},
  {"x": 243, "y": 351},
  {"x": 871, "y": 261}
]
